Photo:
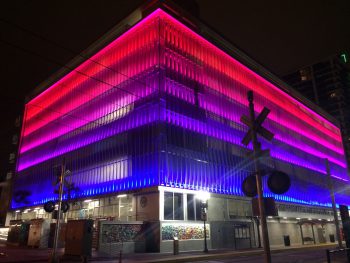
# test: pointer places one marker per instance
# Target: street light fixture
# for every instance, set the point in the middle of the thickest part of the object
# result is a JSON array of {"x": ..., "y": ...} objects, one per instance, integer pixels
[{"x": 204, "y": 197}]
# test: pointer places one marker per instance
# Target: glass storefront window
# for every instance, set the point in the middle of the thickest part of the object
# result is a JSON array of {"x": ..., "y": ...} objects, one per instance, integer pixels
[
  {"x": 193, "y": 208},
  {"x": 173, "y": 206}
]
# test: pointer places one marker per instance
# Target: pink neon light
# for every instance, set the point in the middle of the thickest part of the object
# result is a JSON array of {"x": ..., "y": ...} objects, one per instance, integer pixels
[
  {"x": 295, "y": 124},
  {"x": 104, "y": 59},
  {"x": 299, "y": 109},
  {"x": 87, "y": 90},
  {"x": 145, "y": 116},
  {"x": 115, "y": 51},
  {"x": 80, "y": 89},
  {"x": 203, "y": 128},
  {"x": 226, "y": 112},
  {"x": 134, "y": 119}
]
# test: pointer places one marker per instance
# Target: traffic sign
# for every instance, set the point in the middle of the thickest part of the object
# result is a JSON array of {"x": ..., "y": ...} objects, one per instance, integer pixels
[
  {"x": 255, "y": 128},
  {"x": 260, "y": 153},
  {"x": 258, "y": 126}
]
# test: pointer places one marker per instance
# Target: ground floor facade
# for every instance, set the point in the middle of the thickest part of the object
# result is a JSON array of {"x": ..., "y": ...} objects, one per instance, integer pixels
[{"x": 150, "y": 219}]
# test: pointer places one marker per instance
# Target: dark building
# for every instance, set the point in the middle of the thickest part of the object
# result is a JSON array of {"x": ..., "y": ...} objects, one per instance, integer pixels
[
  {"x": 327, "y": 83},
  {"x": 9, "y": 171}
]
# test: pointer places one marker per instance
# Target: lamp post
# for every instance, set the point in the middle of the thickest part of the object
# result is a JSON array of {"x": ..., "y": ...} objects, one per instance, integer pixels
[
  {"x": 54, "y": 258},
  {"x": 204, "y": 197},
  {"x": 61, "y": 181}
]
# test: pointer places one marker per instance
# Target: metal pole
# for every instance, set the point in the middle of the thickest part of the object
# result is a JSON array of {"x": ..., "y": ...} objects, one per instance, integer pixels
[
  {"x": 328, "y": 256},
  {"x": 60, "y": 196},
  {"x": 258, "y": 229},
  {"x": 301, "y": 233},
  {"x": 256, "y": 150},
  {"x": 313, "y": 232},
  {"x": 335, "y": 213},
  {"x": 205, "y": 236}
]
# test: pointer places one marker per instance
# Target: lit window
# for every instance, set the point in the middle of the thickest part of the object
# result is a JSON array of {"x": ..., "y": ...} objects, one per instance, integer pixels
[
  {"x": 193, "y": 207},
  {"x": 305, "y": 74},
  {"x": 15, "y": 139},
  {"x": 173, "y": 206},
  {"x": 12, "y": 157},
  {"x": 93, "y": 204},
  {"x": 344, "y": 57}
]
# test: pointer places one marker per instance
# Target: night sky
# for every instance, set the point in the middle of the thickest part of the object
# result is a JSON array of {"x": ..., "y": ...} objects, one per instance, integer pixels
[{"x": 38, "y": 37}]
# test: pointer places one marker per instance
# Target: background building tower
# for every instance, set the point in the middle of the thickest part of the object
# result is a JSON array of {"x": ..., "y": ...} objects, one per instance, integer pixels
[{"x": 327, "y": 83}]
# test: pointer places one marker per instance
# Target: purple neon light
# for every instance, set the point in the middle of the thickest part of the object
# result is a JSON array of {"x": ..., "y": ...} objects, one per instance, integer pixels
[
  {"x": 92, "y": 125},
  {"x": 237, "y": 94},
  {"x": 188, "y": 95},
  {"x": 132, "y": 120},
  {"x": 123, "y": 46},
  {"x": 229, "y": 111},
  {"x": 227, "y": 135},
  {"x": 213, "y": 61},
  {"x": 106, "y": 105},
  {"x": 151, "y": 115}
]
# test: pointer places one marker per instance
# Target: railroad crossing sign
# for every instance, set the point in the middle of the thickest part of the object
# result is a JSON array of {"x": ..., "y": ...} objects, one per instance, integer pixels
[
  {"x": 255, "y": 124},
  {"x": 255, "y": 128}
]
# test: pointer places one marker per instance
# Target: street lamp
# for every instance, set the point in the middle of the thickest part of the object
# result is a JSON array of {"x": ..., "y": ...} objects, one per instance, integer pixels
[{"x": 204, "y": 197}]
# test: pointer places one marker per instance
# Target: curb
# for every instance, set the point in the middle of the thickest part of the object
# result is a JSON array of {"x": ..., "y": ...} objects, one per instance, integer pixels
[
  {"x": 187, "y": 258},
  {"x": 227, "y": 254}
]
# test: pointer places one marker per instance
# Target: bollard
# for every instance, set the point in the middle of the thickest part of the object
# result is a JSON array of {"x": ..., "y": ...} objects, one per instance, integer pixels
[
  {"x": 328, "y": 256},
  {"x": 120, "y": 256},
  {"x": 286, "y": 240},
  {"x": 176, "y": 246}
]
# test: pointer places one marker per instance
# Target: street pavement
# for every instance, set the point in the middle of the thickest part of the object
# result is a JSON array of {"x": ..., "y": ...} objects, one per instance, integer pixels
[
  {"x": 316, "y": 255},
  {"x": 297, "y": 254}
]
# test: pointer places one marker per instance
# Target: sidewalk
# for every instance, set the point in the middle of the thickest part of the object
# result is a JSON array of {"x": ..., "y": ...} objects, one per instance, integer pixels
[
  {"x": 25, "y": 254},
  {"x": 200, "y": 256}
]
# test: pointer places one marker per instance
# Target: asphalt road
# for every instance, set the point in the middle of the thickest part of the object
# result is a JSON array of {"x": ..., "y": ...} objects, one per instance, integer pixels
[
  {"x": 301, "y": 256},
  {"x": 305, "y": 254}
]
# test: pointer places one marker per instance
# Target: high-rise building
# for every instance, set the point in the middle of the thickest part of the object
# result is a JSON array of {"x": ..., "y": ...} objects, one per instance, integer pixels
[
  {"x": 149, "y": 116},
  {"x": 10, "y": 168},
  {"x": 327, "y": 83}
]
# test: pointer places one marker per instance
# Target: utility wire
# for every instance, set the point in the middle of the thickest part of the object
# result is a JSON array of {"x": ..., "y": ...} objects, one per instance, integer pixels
[
  {"x": 82, "y": 128},
  {"x": 65, "y": 66},
  {"x": 67, "y": 49},
  {"x": 71, "y": 51},
  {"x": 54, "y": 61},
  {"x": 51, "y": 60}
]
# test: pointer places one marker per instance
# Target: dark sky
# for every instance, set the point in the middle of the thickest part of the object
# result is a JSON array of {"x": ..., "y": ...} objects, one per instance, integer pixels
[{"x": 281, "y": 35}]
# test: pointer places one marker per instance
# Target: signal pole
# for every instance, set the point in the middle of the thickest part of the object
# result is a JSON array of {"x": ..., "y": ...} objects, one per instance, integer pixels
[
  {"x": 335, "y": 213},
  {"x": 54, "y": 258},
  {"x": 254, "y": 126}
]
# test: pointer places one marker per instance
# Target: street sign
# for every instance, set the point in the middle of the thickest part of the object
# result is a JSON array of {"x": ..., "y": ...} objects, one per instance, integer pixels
[
  {"x": 278, "y": 182},
  {"x": 257, "y": 124},
  {"x": 260, "y": 153},
  {"x": 249, "y": 186},
  {"x": 49, "y": 206},
  {"x": 255, "y": 128}
]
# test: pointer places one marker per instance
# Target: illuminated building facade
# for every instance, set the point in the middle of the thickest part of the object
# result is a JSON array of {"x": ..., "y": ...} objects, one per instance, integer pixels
[{"x": 155, "y": 114}]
